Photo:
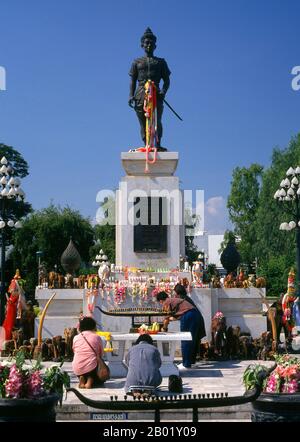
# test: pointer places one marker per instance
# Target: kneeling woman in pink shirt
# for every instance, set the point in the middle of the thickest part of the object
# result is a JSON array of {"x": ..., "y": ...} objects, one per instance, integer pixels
[{"x": 87, "y": 347}]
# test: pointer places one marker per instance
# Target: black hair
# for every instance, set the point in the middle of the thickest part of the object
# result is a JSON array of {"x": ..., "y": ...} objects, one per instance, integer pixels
[
  {"x": 144, "y": 338},
  {"x": 87, "y": 323},
  {"x": 180, "y": 290},
  {"x": 182, "y": 293},
  {"x": 148, "y": 34},
  {"x": 162, "y": 296}
]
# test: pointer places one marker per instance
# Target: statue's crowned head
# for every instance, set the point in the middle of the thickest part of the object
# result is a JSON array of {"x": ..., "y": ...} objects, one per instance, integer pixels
[{"x": 149, "y": 35}]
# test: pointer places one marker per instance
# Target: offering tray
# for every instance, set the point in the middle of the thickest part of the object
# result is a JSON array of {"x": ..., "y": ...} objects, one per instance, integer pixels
[{"x": 135, "y": 312}]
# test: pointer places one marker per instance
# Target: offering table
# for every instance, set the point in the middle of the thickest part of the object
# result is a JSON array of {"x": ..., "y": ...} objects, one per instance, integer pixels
[{"x": 165, "y": 342}]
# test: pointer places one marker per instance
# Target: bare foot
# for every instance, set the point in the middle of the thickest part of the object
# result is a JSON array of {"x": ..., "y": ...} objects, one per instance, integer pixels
[
  {"x": 89, "y": 382},
  {"x": 81, "y": 382}
]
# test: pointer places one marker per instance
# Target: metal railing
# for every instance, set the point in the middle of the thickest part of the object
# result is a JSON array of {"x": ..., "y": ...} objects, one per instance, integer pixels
[{"x": 171, "y": 401}]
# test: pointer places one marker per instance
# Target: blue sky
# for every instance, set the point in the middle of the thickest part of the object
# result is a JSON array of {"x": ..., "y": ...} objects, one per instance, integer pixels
[{"x": 65, "y": 108}]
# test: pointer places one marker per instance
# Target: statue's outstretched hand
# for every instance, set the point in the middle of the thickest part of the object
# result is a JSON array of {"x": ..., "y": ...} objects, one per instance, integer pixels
[{"x": 131, "y": 101}]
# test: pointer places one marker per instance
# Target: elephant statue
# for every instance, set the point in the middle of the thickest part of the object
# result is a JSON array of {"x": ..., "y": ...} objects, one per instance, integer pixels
[
  {"x": 275, "y": 318},
  {"x": 218, "y": 335}
]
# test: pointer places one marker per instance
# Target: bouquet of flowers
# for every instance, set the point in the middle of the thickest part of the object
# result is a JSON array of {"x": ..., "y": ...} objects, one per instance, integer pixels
[
  {"x": 219, "y": 315},
  {"x": 20, "y": 380},
  {"x": 285, "y": 378}
]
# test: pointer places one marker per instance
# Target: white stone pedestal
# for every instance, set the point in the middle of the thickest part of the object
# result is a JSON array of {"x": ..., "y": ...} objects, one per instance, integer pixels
[
  {"x": 157, "y": 182},
  {"x": 63, "y": 312},
  {"x": 242, "y": 307}
]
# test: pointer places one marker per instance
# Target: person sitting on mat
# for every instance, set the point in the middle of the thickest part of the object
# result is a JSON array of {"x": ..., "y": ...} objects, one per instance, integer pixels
[
  {"x": 143, "y": 361},
  {"x": 87, "y": 346}
]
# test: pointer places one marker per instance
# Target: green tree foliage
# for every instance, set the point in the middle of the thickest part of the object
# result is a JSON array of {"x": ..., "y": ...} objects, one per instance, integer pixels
[
  {"x": 229, "y": 236},
  {"x": 276, "y": 249},
  {"x": 276, "y": 269},
  {"x": 257, "y": 221},
  {"x": 15, "y": 210},
  {"x": 212, "y": 270},
  {"x": 105, "y": 235},
  {"x": 49, "y": 230},
  {"x": 105, "y": 230},
  {"x": 191, "y": 224},
  {"x": 15, "y": 159},
  {"x": 242, "y": 204},
  {"x": 270, "y": 240},
  {"x": 191, "y": 251}
]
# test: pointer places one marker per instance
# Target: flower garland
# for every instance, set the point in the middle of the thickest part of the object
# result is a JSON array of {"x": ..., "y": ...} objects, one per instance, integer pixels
[
  {"x": 144, "y": 292},
  {"x": 91, "y": 295},
  {"x": 120, "y": 294},
  {"x": 117, "y": 292}
]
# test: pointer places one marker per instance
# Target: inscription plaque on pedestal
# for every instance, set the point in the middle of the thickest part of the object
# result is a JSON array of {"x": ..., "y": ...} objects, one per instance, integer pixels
[{"x": 150, "y": 227}]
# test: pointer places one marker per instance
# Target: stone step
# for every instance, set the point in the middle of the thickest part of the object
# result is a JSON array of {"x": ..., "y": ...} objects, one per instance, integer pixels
[
  {"x": 170, "y": 420},
  {"x": 87, "y": 414},
  {"x": 208, "y": 377}
]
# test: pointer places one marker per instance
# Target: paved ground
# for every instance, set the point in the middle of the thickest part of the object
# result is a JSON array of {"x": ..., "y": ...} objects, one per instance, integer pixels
[{"x": 208, "y": 377}]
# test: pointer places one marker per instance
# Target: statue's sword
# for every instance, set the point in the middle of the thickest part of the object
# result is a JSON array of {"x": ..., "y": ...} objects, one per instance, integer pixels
[{"x": 170, "y": 107}]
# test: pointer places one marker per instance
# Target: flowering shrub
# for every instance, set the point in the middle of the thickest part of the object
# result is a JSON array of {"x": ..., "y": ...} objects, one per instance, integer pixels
[
  {"x": 19, "y": 380},
  {"x": 285, "y": 378}
]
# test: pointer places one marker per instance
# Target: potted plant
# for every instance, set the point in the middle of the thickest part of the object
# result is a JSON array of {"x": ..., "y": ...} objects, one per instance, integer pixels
[
  {"x": 280, "y": 397},
  {"x": 28, "y": 395}
]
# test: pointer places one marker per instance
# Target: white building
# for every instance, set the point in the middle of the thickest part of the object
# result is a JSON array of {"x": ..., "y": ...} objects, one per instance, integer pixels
[{"x": 210, "y": 244}]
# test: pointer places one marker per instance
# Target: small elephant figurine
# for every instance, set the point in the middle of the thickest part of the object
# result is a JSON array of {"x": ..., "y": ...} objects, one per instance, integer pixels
[{"x": 104, "y": 271}]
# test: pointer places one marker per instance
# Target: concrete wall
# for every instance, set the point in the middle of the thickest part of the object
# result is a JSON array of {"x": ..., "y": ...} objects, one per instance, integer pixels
[{"x": 241, "y": 307}]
